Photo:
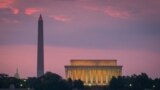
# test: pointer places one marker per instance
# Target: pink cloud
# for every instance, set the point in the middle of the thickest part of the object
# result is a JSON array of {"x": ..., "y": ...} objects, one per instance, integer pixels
[
  {"x": 6, "y": 3},
  {"x": 15, "y": 10},
  {"x": 109, "y": 11},
  {"x": 31, "y": 11},
  {"x": 61, "y": 18},
  {"x": 116, "y": 13},
  {"x": 126, "y": 9}
]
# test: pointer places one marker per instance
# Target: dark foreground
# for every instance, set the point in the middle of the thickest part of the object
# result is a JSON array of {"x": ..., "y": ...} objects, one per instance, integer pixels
[
  {"x": 95, "y": 88},
  {"x": 52, "y": 81}
]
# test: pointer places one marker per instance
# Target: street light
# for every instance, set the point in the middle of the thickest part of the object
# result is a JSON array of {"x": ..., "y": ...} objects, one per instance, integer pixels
[
  {"x": 24, "y": 80},
  {"x": 90, "y": 84},
  {"x": 130, "y": 85},
  {"x": 154, "y": 86},
  {"x": 21, "y": 85}
]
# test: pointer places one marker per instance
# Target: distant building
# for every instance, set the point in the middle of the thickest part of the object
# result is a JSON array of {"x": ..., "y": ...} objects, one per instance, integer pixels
[
  {"x": 93, "y": 72},
  {"x": 16, "y": 75}
]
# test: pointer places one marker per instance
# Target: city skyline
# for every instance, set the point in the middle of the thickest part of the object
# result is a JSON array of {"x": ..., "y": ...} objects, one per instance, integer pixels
[{"x": 125, "y": 30}]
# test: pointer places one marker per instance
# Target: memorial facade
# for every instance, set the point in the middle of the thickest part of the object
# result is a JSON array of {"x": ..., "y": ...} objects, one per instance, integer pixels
[{"x": 93, "y": 72}]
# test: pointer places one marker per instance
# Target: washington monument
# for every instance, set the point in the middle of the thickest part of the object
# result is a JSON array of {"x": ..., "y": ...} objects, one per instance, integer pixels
[{"x": 40, "y": 49}]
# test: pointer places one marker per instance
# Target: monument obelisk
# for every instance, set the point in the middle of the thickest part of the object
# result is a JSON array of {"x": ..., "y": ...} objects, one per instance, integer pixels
[{"x": 40, "y": 49}]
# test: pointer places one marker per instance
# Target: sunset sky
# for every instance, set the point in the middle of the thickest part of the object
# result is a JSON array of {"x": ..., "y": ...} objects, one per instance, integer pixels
[{"x": 126, "y": 30}]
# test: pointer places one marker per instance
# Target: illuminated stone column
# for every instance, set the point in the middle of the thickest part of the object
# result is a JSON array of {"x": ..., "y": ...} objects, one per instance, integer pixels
[
  {"x": 78, "y": 73},
  {"x": 74, "y": 74},
  {"x": 96, "y": 76},
  {"x": 70, "y": 74},
  {"x": 91, "y": 76},
  {"x": 107, "y": 76},
  {"x": 83, "y": 76},
  {"x": 101, "y": 77},
  {"x": 86, "y": 76}
]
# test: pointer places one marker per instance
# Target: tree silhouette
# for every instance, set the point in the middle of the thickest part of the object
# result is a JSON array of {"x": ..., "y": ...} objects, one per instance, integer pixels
[
  {"x": 78, "y": 84},
  {"x": 134, "y": 82},
  {"x": 51, "y": 81}
]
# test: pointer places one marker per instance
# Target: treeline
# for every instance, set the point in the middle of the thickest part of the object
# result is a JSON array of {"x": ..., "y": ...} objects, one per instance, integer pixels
[
  {"x": 49, "y": 81},
  {"x": 134, "y": 82}
]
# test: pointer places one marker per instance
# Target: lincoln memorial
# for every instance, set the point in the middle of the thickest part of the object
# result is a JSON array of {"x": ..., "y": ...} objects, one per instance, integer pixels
[{"x": 93, "y": 72}]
